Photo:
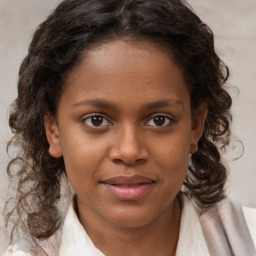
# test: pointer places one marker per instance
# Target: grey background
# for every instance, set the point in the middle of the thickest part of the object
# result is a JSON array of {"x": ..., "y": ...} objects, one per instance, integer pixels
[{"x": 234, "y": 25}]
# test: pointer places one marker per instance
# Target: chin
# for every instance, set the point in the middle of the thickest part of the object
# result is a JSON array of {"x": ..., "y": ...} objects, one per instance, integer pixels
[{"x": 129, "y": 218}]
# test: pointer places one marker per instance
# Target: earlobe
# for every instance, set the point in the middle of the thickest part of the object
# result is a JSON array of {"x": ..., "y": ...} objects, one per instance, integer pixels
[
  {"x": 52, "y": 134},
  {"x": 193, "y": 147},
  {"x": 198, "y": 120}
]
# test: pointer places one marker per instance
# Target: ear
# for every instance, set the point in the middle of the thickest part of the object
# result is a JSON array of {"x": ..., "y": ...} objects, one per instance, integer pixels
[
  {"x": 197, "y": 128},
  {"x": 52, "y": 134}
]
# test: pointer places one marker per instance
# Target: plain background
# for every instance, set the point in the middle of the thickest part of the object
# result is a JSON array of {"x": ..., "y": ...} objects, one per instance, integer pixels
[{"x": 234, "y": 25}]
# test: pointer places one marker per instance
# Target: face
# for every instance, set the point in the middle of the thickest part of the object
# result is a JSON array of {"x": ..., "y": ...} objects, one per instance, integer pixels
[{"x": 125, "y": 130}]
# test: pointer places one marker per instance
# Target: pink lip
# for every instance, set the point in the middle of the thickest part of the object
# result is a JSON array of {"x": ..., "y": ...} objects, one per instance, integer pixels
[{"x": 128, "y": 188}]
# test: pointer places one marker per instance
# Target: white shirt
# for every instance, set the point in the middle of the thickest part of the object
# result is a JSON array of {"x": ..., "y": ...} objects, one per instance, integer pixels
[{"x": 75, "y": 241}]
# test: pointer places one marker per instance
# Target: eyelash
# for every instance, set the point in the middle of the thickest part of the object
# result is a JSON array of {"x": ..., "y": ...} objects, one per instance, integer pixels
[
  {"x": 98, "y": 116},
  {"x": 167, "y": 119},
  {"x": 89, "y": 118}
]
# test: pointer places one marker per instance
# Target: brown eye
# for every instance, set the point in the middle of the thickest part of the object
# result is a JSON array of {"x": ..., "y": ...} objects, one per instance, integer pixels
[
  {"x": 159, "y": 121},
  {"x": 96, "y": 121}
]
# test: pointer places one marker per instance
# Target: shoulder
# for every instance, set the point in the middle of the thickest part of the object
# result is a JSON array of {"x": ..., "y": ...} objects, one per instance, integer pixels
[
  {"x": 228, "y": 226},
  {"x": 250, "y": 218},
  {"x": 13, "y": 250}
]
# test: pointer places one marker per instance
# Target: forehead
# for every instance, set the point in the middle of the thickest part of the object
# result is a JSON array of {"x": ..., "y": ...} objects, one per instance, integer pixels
[{"x": 138, "y": 71}]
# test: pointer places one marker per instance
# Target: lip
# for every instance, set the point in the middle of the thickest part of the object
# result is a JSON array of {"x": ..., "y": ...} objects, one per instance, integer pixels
[{"x": 128, "y": 187}]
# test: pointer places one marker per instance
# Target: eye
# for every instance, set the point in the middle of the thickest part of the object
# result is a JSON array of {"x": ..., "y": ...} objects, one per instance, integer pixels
[
  {"x": 96, "y": 121},
  {"x": 159, "y": 121}
]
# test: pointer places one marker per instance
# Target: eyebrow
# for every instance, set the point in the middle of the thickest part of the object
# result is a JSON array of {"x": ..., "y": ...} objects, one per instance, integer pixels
[
  {"x": 163, "y": 103},
  {"x": 100, "y": 103},
  {"x": 95, "y": 103}
]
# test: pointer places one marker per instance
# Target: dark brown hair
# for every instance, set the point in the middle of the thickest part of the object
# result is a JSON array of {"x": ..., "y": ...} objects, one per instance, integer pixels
[{"x": 57, "y": 45}]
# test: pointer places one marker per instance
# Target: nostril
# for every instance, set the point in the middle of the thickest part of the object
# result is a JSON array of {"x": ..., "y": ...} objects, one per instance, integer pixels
[
  {"x": 140, "y": 160},
  {"x": 118, "y": 161},
  {"x": 126, "y": 162}
]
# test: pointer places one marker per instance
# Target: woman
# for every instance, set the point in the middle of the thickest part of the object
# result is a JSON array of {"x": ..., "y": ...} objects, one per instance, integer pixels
[{"x": 127, "y": 100}]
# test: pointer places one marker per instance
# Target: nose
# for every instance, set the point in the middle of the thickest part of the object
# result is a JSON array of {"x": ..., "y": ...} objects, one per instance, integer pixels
[{"x": 129, "y": 147}]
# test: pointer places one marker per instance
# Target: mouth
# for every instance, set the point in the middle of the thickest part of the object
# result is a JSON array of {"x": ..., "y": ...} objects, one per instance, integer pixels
[{"x": 128, "y": 187}]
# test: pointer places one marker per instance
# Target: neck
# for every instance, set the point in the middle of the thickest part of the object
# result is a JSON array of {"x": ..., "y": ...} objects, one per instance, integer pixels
[{"x": 159, "y": 237}]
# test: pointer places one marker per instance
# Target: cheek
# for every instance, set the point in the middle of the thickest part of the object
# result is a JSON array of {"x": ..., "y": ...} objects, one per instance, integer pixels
[
  {"x": 173, "y": 173},
  {"x": 175, "y": 167},
  {"x": 82, "y": 159},
  {"x": 172, "y": 158},
  {"x": 174, "y": 149}
]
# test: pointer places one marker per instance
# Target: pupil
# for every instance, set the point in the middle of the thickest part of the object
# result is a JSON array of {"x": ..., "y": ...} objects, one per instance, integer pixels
[
  {"x": 97, "y": 120},
  {"x": 159, "y": 120}
]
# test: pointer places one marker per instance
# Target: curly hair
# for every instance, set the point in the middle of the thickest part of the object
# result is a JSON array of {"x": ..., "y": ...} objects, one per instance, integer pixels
[{"x": 57, "y": 46}]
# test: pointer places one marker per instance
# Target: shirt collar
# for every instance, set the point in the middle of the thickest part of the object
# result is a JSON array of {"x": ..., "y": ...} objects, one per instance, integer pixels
[
  {"x": 75, "y": 240},
  {"x": 191, "y": 239}
]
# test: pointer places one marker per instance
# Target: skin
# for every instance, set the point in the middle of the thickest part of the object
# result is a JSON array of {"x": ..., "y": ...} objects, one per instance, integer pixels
[{"x": 127, "y": 83}]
